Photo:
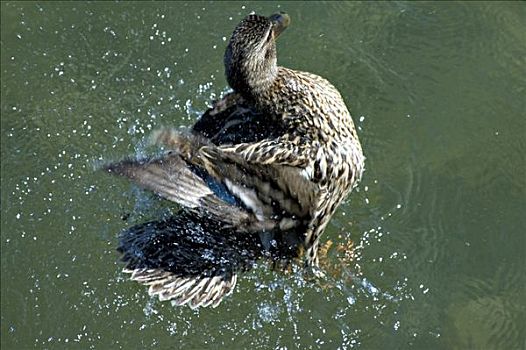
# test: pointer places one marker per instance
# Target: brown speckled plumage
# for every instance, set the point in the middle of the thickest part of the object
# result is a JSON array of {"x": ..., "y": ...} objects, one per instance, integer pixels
[{"x": 276, "y": 157}]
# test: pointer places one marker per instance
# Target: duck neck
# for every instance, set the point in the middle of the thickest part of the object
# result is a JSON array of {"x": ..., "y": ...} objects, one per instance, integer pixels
[
  {"x": 259, "y": 84},
  {"x": 253, "y": 80}
]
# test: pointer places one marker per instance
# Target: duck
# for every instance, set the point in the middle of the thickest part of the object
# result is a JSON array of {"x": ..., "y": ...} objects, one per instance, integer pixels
[{"x": 259, "y": 174}]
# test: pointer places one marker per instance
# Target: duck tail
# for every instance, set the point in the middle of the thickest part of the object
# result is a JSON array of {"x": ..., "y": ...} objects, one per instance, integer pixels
[{"x": 187, "y": 259}]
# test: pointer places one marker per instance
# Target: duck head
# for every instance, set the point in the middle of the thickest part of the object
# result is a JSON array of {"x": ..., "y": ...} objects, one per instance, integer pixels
[{"x": 250, "y": 58}]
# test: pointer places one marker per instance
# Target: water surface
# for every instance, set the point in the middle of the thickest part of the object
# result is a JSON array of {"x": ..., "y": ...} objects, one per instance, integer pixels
[{"x": 437, "y": 223}]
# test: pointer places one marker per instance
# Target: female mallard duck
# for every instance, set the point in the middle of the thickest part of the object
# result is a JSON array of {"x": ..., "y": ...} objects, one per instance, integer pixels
[{"x": 261, "y": 173}]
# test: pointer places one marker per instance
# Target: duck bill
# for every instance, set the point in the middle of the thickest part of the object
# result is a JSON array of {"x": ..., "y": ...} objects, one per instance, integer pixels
[{"x": 281, "y": 22}]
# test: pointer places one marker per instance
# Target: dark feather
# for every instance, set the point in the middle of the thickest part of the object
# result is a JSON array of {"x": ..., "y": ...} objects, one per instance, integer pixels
[
  {"x": 234, "y": 121},
  {"x": 195, "y": 261}
]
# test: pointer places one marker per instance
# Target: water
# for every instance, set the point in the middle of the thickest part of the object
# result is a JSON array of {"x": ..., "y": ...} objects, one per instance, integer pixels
[{"x": 437, "y": 224}]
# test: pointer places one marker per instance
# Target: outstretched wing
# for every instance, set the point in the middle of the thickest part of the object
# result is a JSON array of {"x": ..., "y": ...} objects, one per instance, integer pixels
[
  {"x": 195, "y": 291},
  {"x": 187, "y": 259},
  {"x": 174, "y": 179},
  {"x": 271, "y": 191}
]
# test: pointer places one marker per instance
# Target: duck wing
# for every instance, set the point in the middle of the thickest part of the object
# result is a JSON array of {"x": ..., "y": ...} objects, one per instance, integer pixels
[
  {"x": 271, "y": 192},
  {"x": 171, "y": 177},
  {"x": 187, "y": 259},
  {"x": 222, "y": 186},
  {"x": 232, "y": 120},
  {"x": 194, "y": 260}
]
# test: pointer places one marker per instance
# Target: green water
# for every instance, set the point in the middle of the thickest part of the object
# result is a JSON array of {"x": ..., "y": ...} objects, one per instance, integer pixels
[{"x": 438, "y": 223}]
